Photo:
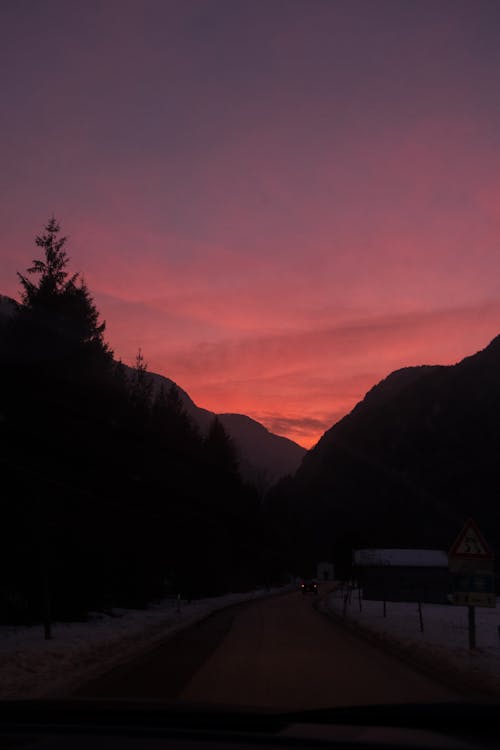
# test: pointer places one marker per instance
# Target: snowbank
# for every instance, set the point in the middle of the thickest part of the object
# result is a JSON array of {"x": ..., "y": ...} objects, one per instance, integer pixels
[
  {"x": 442, "y": 647},
  {"x": 31, "y": 667}
]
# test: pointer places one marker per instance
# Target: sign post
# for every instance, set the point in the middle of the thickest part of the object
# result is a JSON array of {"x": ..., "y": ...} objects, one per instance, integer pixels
[
  {"x": 421, "y": 619},
  {"x": 470, "y": 561},
  {"x": 472, "y": 627}
]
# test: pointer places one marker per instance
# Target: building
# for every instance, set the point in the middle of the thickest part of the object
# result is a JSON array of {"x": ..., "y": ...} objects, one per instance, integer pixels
[
  {"x": 403, "y": 575},
  {"x": 325, "y": 571}
]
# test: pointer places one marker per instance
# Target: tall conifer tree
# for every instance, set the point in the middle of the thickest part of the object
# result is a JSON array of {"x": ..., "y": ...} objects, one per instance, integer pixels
[{"x": 59, "y": 322}]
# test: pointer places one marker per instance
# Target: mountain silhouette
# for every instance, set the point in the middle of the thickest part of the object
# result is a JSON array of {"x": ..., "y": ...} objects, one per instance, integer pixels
[
  {"x": 263, "y": 456},
  {"x": 406, "y": 467}
]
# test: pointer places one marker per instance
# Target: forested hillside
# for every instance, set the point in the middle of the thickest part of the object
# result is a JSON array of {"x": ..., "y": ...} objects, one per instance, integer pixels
[
  {"x": 405, "y": 468},
  {"x": 263, "y": 457},
  {"x": 110, "y": 495}
]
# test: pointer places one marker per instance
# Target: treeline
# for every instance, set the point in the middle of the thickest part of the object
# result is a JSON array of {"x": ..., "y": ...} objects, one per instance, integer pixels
[{"x": 109, "y": 494}]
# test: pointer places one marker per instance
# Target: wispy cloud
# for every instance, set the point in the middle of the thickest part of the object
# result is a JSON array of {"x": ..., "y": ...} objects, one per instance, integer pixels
[
  {"x": 279, "y": 205},
  {"x": 311, "y": 377}
]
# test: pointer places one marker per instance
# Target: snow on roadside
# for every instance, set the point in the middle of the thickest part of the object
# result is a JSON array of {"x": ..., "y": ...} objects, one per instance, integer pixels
[
  {"x": 31, "y": 667},
  {"x": 444, "y": 640}
]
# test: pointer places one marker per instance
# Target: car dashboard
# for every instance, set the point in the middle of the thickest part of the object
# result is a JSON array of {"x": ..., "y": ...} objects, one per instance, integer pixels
[{"x": 84, "y": 725}]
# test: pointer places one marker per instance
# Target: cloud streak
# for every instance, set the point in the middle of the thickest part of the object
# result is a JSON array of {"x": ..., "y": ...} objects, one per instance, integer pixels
[
  {"x": 280, "y": 204},
  {"x": 312, "y": 377}
]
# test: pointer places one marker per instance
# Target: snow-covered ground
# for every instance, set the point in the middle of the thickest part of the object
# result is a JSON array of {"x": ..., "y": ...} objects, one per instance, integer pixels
[
  {"x": 31, "y": 667},
  {"x": 444, "y": 641}
]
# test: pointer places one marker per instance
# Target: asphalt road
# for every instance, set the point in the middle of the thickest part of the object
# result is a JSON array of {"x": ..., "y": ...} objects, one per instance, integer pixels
[{"x": 277, "y": 652}]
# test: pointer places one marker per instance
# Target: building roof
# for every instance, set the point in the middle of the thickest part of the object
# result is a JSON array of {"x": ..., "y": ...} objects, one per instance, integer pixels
[{"x": 415, "y": 558}]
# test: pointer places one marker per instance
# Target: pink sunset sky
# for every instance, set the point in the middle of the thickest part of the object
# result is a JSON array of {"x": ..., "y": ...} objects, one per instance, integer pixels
[{"x": 279, "y": 201}]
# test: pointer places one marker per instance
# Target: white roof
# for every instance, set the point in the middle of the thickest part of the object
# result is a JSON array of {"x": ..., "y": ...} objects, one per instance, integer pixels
[{"x": 418, "y": 558}]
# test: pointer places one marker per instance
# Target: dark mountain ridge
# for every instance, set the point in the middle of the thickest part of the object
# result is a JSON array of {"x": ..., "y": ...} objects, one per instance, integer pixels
[
  {"x": 8, "y": 307},
  {"x": 407, "y": 466},
  {"x": 269, "y": 456},
  {"x": 263, "y": 456}
]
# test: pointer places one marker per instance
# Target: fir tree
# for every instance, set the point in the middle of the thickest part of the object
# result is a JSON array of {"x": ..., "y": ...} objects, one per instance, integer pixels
[
  {"x": 220, "y": 449},
  {"x": 141, "y": 391},
  {"x": 53, "y": 281},
  {"x": 58, "y": 321},
  {"x": 171, "y": 420}
]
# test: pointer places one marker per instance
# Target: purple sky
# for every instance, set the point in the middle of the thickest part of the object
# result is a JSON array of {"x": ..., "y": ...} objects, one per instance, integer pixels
[{"x": 280, "y": 201}]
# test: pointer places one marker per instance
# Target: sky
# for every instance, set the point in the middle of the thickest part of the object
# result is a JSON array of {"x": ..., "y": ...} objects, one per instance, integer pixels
[{"x": 279, "y": 201}]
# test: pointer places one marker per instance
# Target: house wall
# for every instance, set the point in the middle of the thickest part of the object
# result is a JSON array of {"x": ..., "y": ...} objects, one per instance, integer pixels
[{"x": 405, "y": 584}]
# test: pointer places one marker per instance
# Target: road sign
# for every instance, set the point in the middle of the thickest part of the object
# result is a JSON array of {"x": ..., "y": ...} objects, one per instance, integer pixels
[
  {"x": 475, "y": 589},
  {"x": 470, "y": 544},
  {"x": 468, "y": 599},
  {"x": 470, "y": 563},
  {"x": 479, "y": 583}
]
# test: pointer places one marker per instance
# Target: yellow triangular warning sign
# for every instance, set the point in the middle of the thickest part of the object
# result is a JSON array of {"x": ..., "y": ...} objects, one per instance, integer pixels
[{"x": 470, "y": 543}]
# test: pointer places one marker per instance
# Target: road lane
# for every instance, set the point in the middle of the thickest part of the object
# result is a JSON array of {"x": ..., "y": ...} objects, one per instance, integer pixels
[
  {"x": 282, "y": 653},
  {"x": 277, "y": 652},
  {"x": 161, "y": 673}
]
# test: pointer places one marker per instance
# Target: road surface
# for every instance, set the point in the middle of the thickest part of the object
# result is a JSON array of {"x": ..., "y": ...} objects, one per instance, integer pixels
[{"x": 278, "y": 653}]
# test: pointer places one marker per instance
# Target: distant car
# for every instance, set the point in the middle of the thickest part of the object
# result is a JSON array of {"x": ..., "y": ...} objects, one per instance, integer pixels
[{"x": 309, "y": 587}]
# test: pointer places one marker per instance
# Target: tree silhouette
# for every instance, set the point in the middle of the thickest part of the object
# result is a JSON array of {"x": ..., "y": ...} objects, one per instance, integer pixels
[
  {"x": 58, "y": 321},
  {"x": 220, "y": 449},
  {"x": 107, "y": 486},
  {"x": 141, "y": 387},
  {"x": 53, "y": 276}
]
